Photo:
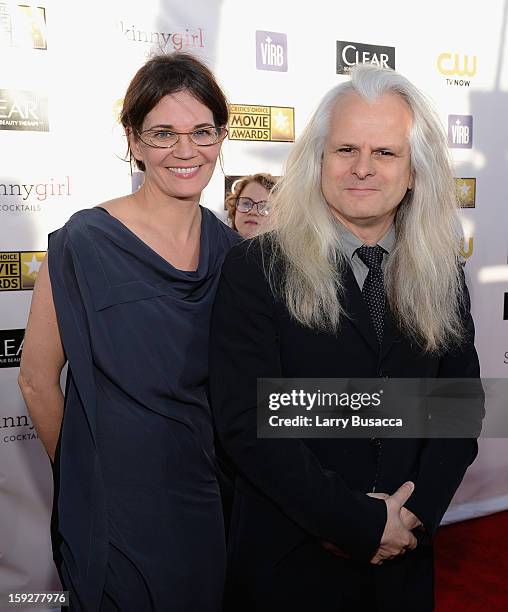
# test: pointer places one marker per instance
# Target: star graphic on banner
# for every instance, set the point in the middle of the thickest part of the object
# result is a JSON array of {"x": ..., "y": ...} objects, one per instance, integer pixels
[
  {"x": 281, "y": 122},
  {"x": 268, "y": 40},
  {"x": 465, "y": 189},
  {"x": 33, "y": 266},
  {"x": 458, "y": 122}
]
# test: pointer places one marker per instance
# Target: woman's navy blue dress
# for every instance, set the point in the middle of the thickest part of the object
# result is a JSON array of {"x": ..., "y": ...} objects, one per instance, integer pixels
[{"x": 139, "y": 522}]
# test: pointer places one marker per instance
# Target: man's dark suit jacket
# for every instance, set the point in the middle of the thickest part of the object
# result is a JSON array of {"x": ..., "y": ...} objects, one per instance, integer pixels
[{"x": 291, "y": 494}]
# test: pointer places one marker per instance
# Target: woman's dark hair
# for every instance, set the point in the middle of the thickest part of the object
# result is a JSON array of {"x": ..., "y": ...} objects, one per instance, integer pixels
[{"x": 167, "y": 74}]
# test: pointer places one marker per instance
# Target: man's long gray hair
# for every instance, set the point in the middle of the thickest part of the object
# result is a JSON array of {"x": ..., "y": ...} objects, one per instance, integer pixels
[{"x": 422, "y": 277}]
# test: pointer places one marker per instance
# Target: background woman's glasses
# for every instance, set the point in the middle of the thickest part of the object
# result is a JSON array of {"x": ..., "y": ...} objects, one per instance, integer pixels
[{"x": 244, "y": 204}]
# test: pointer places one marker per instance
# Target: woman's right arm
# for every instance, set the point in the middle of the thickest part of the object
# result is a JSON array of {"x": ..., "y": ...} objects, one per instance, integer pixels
[{"x": 42, "y": 361}]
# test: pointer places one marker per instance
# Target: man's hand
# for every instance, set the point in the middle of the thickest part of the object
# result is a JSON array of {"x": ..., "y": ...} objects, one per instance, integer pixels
[
  {"x": 409, "y": 520},
  {"x": 397, "y": 537}
]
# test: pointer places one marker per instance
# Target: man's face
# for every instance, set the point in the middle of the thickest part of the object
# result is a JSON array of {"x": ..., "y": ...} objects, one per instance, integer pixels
[{"x": 366, "y": 167}]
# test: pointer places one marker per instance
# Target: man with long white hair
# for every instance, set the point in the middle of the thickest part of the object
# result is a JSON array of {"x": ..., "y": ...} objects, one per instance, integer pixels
[{"x": 360, "y": 277}]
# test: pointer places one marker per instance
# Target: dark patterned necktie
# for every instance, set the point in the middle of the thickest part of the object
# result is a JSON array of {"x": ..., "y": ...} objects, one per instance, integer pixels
[{"x": 373, "y": 288}]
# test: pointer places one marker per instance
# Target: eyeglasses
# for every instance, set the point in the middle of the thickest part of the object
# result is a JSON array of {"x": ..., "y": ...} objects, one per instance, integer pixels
[
  {"x": 164, "y": 139},
  {"x": 244, "y": 204}
]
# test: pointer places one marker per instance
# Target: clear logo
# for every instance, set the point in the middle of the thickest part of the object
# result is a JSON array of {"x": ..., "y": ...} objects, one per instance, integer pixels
[{"x": 351, "y": 53}]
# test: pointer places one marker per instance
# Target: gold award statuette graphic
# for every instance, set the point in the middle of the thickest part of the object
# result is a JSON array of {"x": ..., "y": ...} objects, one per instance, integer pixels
[
  {"x": 22, "y": 25},
  {"x": 18, "y": 269},
  {"x": 466, "y": 192},
  {"x": 268, "y": 123}
]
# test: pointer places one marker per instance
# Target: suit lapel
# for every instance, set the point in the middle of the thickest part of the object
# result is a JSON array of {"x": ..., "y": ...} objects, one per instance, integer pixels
[
  {"x": 391, "y": 332},
  {"x": 358, "y": 311}
]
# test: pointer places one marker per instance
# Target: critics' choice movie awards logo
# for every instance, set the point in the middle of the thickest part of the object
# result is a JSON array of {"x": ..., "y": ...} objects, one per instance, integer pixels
[
  {"x": 17, "y": 428},
  {"x": 271, "y": 51},
  {"x": 11, "y": 345},
  {"x": 351, "y": 53},
  {"x": 270, "y": 123},
  {"x": 460, "y": 131},
  {"x": 456, "y": 68},
  {"x": 27, "y": 197},
  {"x": 22, "y": 26},
  {"x": 19, "y": 269},
  {"x": 466, "y": 192},
  {"x": 23, "y": 110},
  {"x": 186, "y": 38}
]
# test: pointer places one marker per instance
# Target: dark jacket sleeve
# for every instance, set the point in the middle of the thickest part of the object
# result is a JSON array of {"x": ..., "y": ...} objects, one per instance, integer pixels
[
  {"x": 444, "y": 461},
  {"x": 244, "y": 347}
]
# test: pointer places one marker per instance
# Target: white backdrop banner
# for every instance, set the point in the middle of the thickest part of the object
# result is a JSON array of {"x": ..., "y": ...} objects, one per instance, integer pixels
[{"x": 65, "y": 68}]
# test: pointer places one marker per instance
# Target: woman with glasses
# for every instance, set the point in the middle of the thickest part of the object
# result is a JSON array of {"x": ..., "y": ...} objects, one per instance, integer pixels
[
  {"x": 125, "y": 298},
  {"x": 248, "y": 206}
]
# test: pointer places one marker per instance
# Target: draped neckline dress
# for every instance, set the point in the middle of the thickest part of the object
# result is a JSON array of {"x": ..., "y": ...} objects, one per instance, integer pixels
[{"x": 137, "y": 501}]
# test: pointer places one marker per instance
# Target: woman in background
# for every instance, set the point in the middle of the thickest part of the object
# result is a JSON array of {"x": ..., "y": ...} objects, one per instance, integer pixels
[
  {"x": 125, "y": 298},
  {"x": 248, "y": 204}
]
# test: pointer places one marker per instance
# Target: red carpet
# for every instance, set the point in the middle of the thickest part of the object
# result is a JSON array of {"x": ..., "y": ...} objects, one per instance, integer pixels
[{"x": 472, "y": 565}]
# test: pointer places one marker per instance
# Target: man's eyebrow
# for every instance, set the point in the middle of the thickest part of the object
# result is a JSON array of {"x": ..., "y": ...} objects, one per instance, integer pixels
[{"x": 390, "y": 147}]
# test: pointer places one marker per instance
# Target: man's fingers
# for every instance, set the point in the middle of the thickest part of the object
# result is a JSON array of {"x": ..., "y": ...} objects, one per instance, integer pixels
[
  {"x": 412, "y": 542},
  {"x": 409, "y": 519},
  {"x": 376, "y": 560},
  {"x": 379, "y": 495},
  {"x": 403, "y": 493}
]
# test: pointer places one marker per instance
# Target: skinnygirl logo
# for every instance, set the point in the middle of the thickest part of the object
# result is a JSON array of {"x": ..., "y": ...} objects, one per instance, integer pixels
[
  {"x": 16, "y": 429},
  {"x": 165, "y": 41},
  {"x": 36, "y": 191}
]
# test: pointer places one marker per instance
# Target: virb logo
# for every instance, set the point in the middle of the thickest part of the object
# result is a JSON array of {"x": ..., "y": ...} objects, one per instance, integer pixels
[
  {"x": 271, "y": 51},
  {"x": 460, "y": 131}
]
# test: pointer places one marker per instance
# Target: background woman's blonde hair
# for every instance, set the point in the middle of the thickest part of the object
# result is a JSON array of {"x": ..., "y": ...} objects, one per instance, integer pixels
[
  {"x": 262, "y": 178},
  {"x": 423, "y": 276}
]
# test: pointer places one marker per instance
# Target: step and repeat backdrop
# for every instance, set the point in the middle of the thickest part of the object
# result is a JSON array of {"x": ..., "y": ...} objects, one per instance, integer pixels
[{"x": 64, "y": 70}]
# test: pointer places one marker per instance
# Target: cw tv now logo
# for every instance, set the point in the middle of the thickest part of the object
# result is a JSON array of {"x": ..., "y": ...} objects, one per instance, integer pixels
[{"x": 271, "y": 51}]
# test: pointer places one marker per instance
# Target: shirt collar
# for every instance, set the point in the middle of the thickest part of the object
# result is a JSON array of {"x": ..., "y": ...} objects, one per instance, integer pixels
[{"x": 352, "y": 243}]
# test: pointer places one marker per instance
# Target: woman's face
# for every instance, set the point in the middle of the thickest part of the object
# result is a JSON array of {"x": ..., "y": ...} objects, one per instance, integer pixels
[
  {"x": 183, "y": 170},
  {"x": 250, "y": 223}
]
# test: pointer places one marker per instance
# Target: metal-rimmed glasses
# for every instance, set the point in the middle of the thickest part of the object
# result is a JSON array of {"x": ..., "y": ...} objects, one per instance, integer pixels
[
  {"x": 244, "y": 204},
  {"x": 161, "y": 138}
]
